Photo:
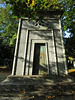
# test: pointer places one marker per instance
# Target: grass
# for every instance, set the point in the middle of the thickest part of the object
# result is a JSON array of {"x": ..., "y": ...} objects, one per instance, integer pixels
[
  {"x": 71, "y": 72},
  {"x": 72, "y": 68},
  {"x": 3, "y": 67}
]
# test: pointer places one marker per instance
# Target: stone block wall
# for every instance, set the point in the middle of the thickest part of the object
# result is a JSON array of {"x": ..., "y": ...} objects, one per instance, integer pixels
[{"x": 47, "y": 31}]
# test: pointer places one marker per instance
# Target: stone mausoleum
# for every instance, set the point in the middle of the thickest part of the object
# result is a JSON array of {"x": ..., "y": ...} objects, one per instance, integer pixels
[{"x": 39, "y": 46}]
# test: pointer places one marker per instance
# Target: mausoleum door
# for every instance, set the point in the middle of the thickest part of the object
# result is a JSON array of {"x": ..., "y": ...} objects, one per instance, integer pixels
[{"x": 40, "y": 59}]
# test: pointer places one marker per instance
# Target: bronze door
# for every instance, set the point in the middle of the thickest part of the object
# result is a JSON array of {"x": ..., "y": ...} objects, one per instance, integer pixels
[{"x": 40, "y": 59}]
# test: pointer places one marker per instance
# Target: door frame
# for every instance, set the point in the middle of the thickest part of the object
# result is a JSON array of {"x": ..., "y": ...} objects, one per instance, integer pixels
[{"x": 32, "y": 53}]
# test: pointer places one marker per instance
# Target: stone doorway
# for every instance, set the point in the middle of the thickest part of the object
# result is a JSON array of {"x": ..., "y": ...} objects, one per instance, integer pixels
[
  {"x": 40, "y": 59},
  {"x": 33, "y": 36}
]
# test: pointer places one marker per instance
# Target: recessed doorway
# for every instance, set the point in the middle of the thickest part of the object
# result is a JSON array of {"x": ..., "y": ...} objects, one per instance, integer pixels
[{"x": 40, "y": 59}]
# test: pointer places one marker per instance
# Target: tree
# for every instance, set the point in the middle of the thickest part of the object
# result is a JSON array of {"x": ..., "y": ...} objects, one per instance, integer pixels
[
  {"x": 68, "y": 23},
  {"x": 31, "y": 8},
  {"x": 8, "y": 26},
  {"x": 70, "y": 46},
  {"x": 68, "y": 18},
  {"x": 8, "y": 31}
]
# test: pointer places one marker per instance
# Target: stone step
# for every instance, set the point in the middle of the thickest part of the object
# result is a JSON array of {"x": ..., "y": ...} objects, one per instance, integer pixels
[
  {"x": 41, "y": 78},
  {"x": 37, "y": 86},
  {"x": 39, "y": 98}
]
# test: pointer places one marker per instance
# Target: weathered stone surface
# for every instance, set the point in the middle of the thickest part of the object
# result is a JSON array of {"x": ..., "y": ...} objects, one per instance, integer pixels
[
  {"x": 37, "y": 87},
  {"x": 38, "y": 98},
  {"x": 49, "y": 32}
]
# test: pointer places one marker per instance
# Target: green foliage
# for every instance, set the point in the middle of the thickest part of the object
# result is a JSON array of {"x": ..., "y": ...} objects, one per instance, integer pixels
[
  {"x": 31, "y": 8},
  {"x": 68, "y": 22},
  {"x": 70, "y": 47},
  {"x": 8, "y": 26},
  {"x": 69, "y": 15},
  {"x": 8, "y": 31}
]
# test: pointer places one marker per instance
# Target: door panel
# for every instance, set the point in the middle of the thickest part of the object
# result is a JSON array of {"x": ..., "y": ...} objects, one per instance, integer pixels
[{"x": 40, "y": 60}]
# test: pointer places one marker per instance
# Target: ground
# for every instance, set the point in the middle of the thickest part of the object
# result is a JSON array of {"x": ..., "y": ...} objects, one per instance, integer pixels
[{"x": 4, "y": 73}]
